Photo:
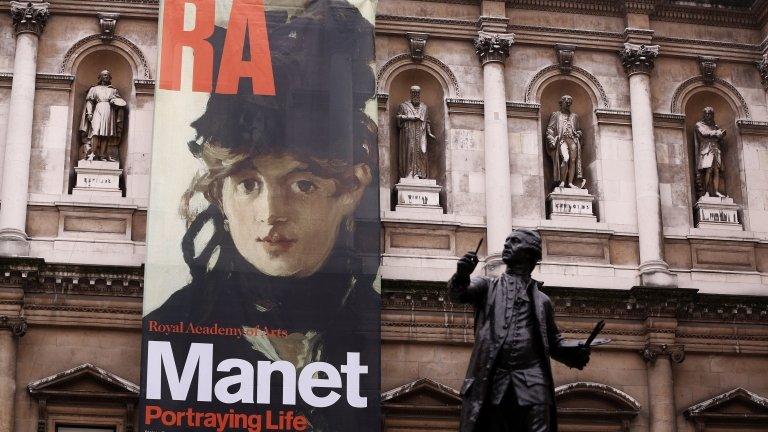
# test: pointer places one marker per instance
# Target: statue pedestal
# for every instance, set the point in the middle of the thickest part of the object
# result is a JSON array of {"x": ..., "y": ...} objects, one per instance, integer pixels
[
  {"x": 97, "y": 178},
  {"x": 418, "y": 195},
  {"x": 571, "y": 204},
  {"x": 718, "y": 213}
]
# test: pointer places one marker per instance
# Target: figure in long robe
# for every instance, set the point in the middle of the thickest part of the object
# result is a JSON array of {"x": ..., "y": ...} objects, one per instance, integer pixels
[
  {"x": 709, "y": 139},
  {"x": 413, "y": 123},
  {"x": 101, "y": 125}
]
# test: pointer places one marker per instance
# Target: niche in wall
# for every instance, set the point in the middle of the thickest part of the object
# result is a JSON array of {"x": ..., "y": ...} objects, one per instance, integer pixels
[
  {"x": 86, "y": 75},
  {"x": 584, "y": 106},
  {"x": 725, "y": 117},
  {"x": 433, "y": 95}
]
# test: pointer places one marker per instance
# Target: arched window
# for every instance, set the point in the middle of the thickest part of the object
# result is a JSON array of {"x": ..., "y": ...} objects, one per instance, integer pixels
[{"x": 593, "y": 406}]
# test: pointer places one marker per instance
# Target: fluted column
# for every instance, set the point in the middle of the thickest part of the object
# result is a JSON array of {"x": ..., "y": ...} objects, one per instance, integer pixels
[
  {"x": 661, "y": 386},
  {"x": 493, "y": 50},
  {"x": 29, "y": 20},
  {"x": 638, "y": 61}
]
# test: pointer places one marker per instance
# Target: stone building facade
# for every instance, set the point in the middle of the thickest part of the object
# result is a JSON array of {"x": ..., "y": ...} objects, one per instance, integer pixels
[{"x": 681, "y": 280}]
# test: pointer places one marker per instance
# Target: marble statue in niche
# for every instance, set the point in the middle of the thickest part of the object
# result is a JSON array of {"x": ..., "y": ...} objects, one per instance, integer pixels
[
  {"x": 709, "y": 141},
  {"x": 101, "y": 124},
  {"x": 564, "y": 141},
  {"x": 416, "y": 191},
  {"x": 413, "y": 125}
]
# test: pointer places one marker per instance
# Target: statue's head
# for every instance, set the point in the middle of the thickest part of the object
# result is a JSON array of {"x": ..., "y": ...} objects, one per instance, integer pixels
[
  {"x": 415, "y": 94},
  {"x": 565, "y": 102},
  {"x": 522, "y": 246},
  {"x": 105, "y": 77},
  {"x": 708, "y": 115}
]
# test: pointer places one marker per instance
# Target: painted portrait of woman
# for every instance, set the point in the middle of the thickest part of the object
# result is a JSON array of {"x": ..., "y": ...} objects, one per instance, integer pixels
[{"x": 286, "y": 243}]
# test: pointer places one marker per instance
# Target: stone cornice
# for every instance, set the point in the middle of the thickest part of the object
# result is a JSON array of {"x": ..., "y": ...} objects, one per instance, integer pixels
[
  {"x": 684, "y": 305},
  {"x": 34, "y": 275},
  {"x": 752, "y": 127},
  {"x": 142, "y": 9}
]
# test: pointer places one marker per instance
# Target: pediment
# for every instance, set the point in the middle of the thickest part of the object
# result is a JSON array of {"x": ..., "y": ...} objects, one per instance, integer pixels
[
  {"x": 84, "y": 381},
  {"x": 423, "y": 392},
  {"x": 594, "y": 398},
  {"x": 736, "y": 403}
]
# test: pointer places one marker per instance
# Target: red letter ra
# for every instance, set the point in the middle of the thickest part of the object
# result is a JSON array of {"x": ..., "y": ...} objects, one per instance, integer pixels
[
  {"x": 246, "y": 14},
  {"x": 175, "y": 38}
]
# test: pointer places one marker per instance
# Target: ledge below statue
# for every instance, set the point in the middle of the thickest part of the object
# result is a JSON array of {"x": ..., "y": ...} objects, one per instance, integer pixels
[
  {"x": 97, "y": 178},
  {"x": 718, "y": 213},
  {"x": 418, "y": 196},
  {"x": 572, "y": 204}
]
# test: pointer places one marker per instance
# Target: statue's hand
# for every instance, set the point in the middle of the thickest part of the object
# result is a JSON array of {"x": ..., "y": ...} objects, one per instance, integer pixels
[
  {"x": 581, "y": 356},
  {"x": 467, "y": 264},
  {"x": 89, "y": 117}
]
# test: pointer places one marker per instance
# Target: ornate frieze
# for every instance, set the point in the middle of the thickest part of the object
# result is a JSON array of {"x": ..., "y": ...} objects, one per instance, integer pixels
[
  {"x": 493, "y": 47},
  {"x": 417, "y": 42},
  {"x": 29, "y": 17},
  {"x": 638, "y": 58},
  {"x": 708, "y": 66},
  {"x": 565, "y": 57},
  {"x": 107, "y": 22},
  {"x": 762, "y": 66},
  {"x": 651, "y": 352}
]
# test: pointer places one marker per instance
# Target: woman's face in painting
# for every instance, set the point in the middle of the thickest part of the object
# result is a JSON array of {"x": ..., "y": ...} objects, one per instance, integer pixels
[{"x": 283, "y": 218}]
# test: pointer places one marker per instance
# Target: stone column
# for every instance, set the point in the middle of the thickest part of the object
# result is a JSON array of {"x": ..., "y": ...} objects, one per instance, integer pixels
[
  {"x": 29, "y": 19},
  {"x": 493, "y": 50},
  {"x": 661, "y": 386},
  {"x": 10, "y": 329},
  {"x": 638, "y": 61}
]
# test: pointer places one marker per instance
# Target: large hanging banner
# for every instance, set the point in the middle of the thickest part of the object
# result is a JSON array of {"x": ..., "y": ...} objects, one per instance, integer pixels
[{"x": 261, "y": 311}]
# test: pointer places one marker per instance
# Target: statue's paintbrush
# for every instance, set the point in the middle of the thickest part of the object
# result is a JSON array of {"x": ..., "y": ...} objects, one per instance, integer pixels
[
  {"x": 598, "y": 328},
  {"x": 477, "y": 249}
]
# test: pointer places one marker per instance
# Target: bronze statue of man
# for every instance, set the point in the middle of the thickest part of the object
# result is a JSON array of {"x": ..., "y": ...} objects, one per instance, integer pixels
[
  {"x": 509, "y": 383},
  {"x": 101, "y": 125},
  {"x": 709, "y": 140},
  {"x": 564, "y": 145},
  {"x": 413, "y": 122}
]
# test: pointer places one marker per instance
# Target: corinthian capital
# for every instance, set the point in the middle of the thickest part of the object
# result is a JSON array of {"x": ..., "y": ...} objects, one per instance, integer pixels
[
  {"x": 675, "y": 352},
  {"x": 638, "y": 58},
  {"x": 493, "y": 47},
  {"x": 762, "y": 67},
  {"x": 29, "y": 17}
]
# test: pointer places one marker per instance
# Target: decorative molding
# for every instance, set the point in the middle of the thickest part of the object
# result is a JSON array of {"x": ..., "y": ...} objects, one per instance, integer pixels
[
  {"x": 627, "y": 401},
  {"x": 417, "y": 42},
  {"x": 586, "y": 7},
  {"x": 665, "y": 40},
  {"x": 651, "y": 352},
  {"x": 645, "y": 7},
  {"x": 564, "y": 53},
  {"x": 752, "y": 127},
  {"x": 709, "y": 15},
  {"x": 707, "y": 67},
  {"x": 493, "y": 24},
  {"x": 144, "y": 86},
  {"x": 435, "y": 63},
  {"x": 535, "y": 83},
  {"x": 691, "y": 83},
  {"x": 29, "y": 17},
  {"x": 493, "y": 47},
  {"x": 426, "y": 20},
  {"x": 381, "y": 100},
  {"x": 639, "y": 303},
  {"x": 669, "y": 120},
  {"x": 638, "y": 36},
  {"x": 17, "y": 325},
  {"x": 566, "y": 31},
  {"x": 108, "y": 23},
  {"x": 34, "y": 275},
  {"x": 130, "y": 47},
  {"x": 612, "y": 116},
  {"x": 702, "y": 411},
  {"x": 638, "y": 58}
]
